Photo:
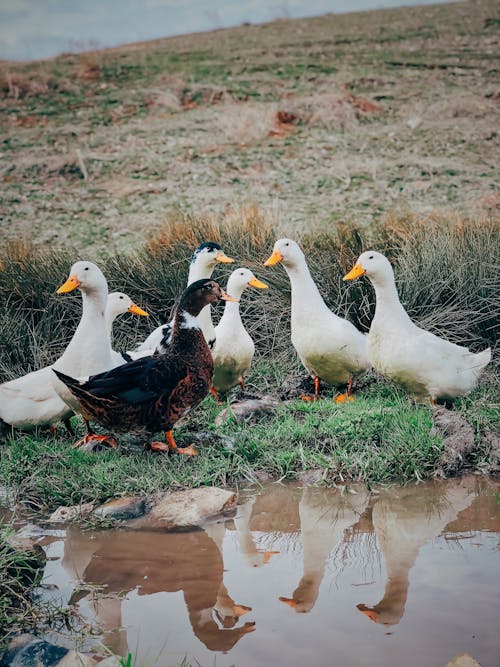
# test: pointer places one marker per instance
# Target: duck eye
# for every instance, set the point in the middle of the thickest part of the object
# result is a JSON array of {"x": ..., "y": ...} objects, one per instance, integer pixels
[
  {"x": 287, "y": 244},
  {"x": 86, "y": 268},
  {"x": 370, "y": 257},
  {"x": 121, "y": 297}
]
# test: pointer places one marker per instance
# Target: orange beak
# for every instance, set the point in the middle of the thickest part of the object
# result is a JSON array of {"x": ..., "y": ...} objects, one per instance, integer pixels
[
  {"x": 289, "y": 601},
  {"x": 71, "y": 284},
  {"x": 137, "y": 311},
  {"x": 275, "y": 258},
  {"x": 370, "y": 613},
  {"x": 227, "y": 297},
  {"x": 240, "y": 610},
  {"x": 254, "y": 282},
  {"x": 221, "y": 257},
  {"x": 356, "y": 271}
]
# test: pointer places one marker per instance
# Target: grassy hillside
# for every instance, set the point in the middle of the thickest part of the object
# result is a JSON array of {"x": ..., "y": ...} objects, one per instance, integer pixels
[{"x": 340, "y": 117}]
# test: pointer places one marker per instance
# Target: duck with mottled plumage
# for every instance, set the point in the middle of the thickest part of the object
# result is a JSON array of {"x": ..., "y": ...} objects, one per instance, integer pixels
[
  {"x": 202, "y": 265},
  {"x": 151, "y": 394},
  {"x": 329, "y": 346},
  {"x": 424, "y": 364}
]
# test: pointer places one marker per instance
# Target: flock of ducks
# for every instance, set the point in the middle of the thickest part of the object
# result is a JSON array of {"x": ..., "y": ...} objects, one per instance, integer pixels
[{"x": 148, "y": 389}]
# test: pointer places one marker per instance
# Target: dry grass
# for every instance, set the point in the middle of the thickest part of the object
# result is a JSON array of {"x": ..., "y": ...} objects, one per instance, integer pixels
[{"x": 450, "y": 285}]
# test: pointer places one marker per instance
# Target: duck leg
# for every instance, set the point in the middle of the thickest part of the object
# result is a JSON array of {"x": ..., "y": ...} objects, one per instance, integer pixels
[
  {"x": 215, "y": 394},
  {"x": 69, "y": 428},
  {"x": 171, "y": 446},
  {"x": 92, "y": 437},
  {"x": 347, "y": 396},
  {"x": 305, "y": 397}
]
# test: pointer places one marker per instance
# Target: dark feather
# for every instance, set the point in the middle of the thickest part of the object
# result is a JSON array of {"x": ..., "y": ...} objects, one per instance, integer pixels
[{"x": 152, "y": 393}]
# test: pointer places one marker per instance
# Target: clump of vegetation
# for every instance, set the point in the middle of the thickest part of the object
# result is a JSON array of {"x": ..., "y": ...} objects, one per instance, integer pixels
[
  {"x": 447, "y": 271},
  {"x": 19, "y": 572}
]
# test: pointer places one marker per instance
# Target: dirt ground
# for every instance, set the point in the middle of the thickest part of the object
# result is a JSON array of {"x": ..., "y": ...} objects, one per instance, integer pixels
[{"x": 340, "y": 117}]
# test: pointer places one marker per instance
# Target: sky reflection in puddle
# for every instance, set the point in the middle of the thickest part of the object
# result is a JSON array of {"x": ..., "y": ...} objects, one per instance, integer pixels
[{"x": 408, "y": 575}]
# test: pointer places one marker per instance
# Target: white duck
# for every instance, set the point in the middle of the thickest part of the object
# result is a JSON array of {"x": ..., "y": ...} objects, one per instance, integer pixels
[
  {"x": 330, "y": 347},
  {"x": 119, "y": 303},
  {"x": 89, "y": 351},
  {"x": 31, "y": 400},
  {"x": 234, "y": 348},
  {"x": 424, "y": 364},
  {"x": 202, "y": 265}
]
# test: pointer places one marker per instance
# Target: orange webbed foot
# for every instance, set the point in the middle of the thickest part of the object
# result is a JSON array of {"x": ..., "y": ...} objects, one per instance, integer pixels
[
  {"x": 93, "y": 441},
  {"x": 158, "y": 446},
  {"x": 344, "y": 398},
  {"x": 187, "y": 451}
]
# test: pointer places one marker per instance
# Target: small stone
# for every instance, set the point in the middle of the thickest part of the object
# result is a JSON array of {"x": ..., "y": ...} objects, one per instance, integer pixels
[
  {"x": 63, "y": 514},
  {"x": 458, "y": 439},
  {"x": 244, "y": 410},
  {"x": 26, "y": 651},
  {"x": 130, "y": 507}
]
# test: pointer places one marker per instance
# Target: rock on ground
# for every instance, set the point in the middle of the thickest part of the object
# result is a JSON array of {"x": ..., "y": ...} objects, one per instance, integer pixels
[
  {"x": 458, "y": 439},
  {"x": 130, "y": 507},
  {"x": 71, "y": 512},
  {"x": 243, "y": 410},
  {"x": 187, "y": 509},
  {"x": 29, "y": 651}
]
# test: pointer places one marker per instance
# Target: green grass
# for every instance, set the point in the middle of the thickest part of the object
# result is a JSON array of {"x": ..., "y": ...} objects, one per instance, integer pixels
[
  {"x": 20, "y": 571},
  {"x": 378, "y": 438}
]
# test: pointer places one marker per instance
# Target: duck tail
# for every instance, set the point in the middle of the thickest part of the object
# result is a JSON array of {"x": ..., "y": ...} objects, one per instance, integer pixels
[
  {"x": 67, "y": 379},
  {"x": 482, "y": 359}
]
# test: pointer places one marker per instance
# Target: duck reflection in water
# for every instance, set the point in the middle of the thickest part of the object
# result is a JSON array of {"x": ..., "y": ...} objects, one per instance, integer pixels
[
  {"x": 404, "y": 519},
  {"x": 323, "y": 520},
  {"x": 155, "y": 562}
]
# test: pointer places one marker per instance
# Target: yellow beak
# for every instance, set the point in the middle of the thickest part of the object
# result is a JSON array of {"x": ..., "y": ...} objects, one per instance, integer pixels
[
  {"x": 71, "y": 284},
  {"x": 356, "y": 271},
  {"x": 254, "y": 282},
  {"x": 137, "y": 311},
  {"x": 227, "y": 297},
  {"x": 275, "y": 258},
  {"x": 221, "y": 257}
]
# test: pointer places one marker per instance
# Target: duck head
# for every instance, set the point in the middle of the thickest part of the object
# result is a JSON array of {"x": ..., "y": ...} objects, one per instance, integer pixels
[
  {"x": 240, "y": 279},
  {"x": 119, "y": 303},
  {"x": 208, "y": 254},
  {"x": 287, "y": 252},
  {"x": 87, "y": 277},
  {"x": 200, "y": 294},
  {"x": 374, "y": 266}
]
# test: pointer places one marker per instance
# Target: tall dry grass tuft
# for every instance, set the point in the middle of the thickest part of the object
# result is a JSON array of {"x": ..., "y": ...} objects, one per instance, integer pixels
[{"x": 447, "y": 271}]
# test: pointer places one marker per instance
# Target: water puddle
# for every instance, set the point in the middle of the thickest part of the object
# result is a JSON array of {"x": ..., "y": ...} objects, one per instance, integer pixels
[{"x": 301, "y": 576}]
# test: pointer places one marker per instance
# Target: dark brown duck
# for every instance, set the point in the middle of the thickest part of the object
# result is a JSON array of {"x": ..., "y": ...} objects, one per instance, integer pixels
[{"x": 152, "y": 393}]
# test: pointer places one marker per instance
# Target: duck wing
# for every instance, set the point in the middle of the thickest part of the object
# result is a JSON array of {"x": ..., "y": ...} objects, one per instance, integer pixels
[{"x": 135, "y": 382}]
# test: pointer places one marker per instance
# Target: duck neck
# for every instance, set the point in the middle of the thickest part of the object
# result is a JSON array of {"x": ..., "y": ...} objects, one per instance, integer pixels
[
  {"x": 232, "y": 308},
  {"x": 92, "y": 330},
  {"x": 187, "y": 333},
  {"x": 109, "y": 318},
  {"x": 388, "y": 304},
  {"x": 199, "y": 271},
  {"x": 306, "y": 298}
]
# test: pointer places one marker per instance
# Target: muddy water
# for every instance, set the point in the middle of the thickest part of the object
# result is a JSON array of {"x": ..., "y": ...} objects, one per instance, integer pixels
[{"x": 301, "y": 576}]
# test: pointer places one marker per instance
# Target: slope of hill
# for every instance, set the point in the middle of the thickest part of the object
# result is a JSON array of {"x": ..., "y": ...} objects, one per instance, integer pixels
[{"x": 317, "y": 120}]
